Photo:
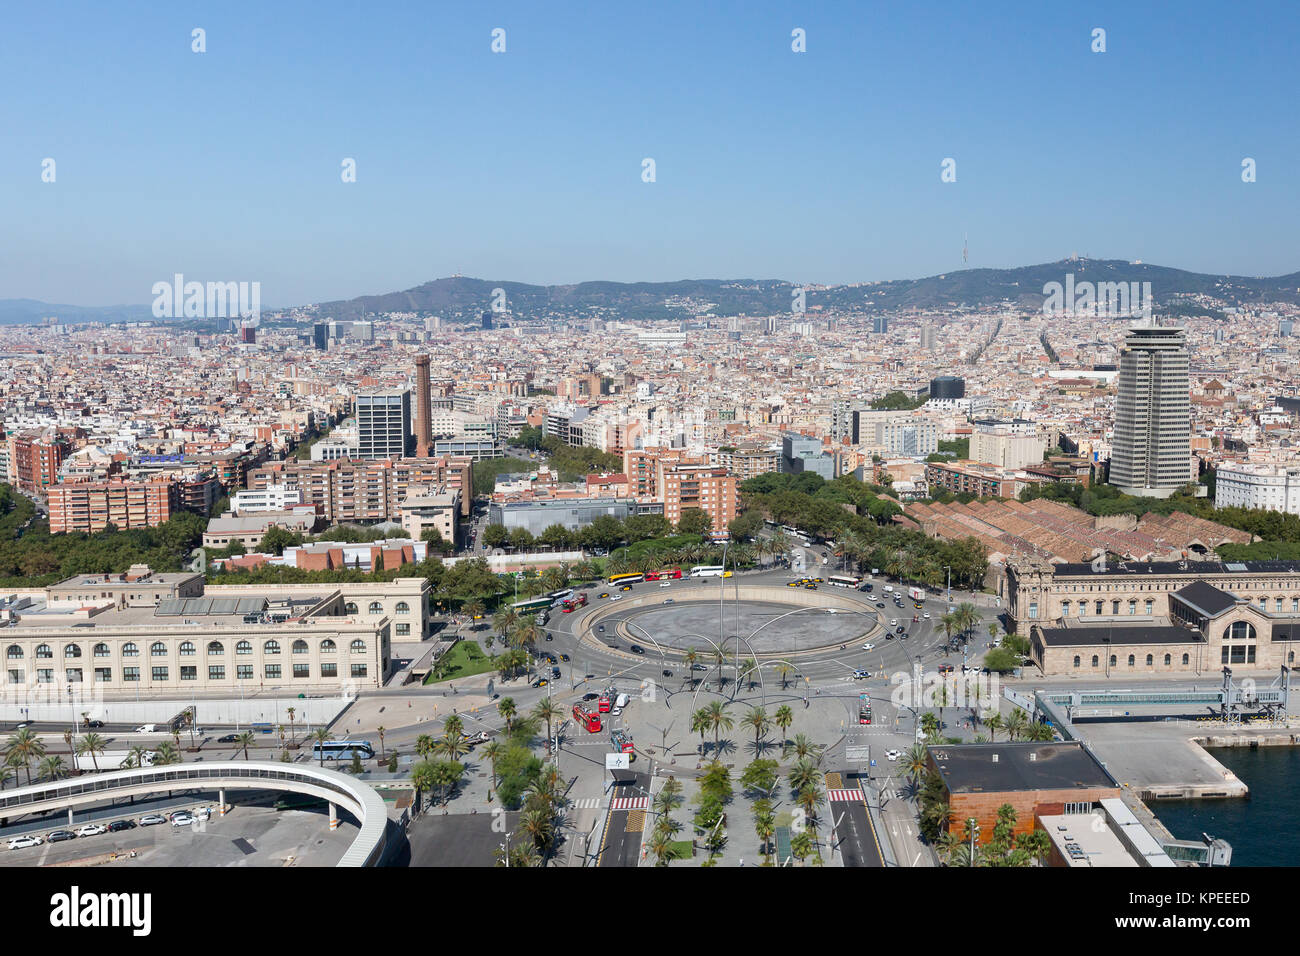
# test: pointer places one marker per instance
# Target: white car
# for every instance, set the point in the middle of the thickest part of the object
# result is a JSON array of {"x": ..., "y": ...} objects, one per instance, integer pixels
[
  {"x": 182, "y": 819},
  {"x": 616, "y": 597},
  {"x": 18, "y": 843},
  {"x": 91, "y": 829},
  {"x": 868, "y": 646},
  {"x": 893, "y": 622},
  {"x": 665, "y": 584},
  {"x": 202, "y": 813},
  {"x": 927, "y": 615},
  {"x": 893, "y": 754}
]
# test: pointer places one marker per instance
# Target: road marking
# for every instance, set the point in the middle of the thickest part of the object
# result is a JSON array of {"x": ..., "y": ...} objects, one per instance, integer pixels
[
  {"x": 586, "y": 803},
  {"x": 836, "y": 794},
  {"x": 630, "y": 803},
  {"x": 636, "y": 821}
]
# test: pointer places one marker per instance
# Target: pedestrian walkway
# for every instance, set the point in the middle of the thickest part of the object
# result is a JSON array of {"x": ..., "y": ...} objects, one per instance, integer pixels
[
  {"x": 846, "y": 794},
  {"x": 630, "y": 803},
  {"x": 586, "y": 803}
]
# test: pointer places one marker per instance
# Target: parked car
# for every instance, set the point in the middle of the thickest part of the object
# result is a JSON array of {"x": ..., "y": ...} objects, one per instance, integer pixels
[
  {"x": 182, "y": 819},
  {"x": 58, "y": 836},
  {"x": 26, "y": 840},
  {"x": 117, "y": 826},
  {"x": 152, "y": 819}
]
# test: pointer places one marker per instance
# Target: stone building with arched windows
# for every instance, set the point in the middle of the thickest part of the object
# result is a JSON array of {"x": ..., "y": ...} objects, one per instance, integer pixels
[{"x": 1144, "y": 618}]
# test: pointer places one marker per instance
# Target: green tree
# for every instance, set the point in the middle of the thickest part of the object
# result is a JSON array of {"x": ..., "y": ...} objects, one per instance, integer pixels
[
  {"x": 783, "y": 718},
  {"x": 694, "y": 521},
  {"x": 22, "y": 748},
  {"x": 94, "y": 745}
]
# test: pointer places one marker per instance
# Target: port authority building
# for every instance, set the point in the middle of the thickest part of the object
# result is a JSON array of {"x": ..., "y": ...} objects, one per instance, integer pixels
[
  {"x": 142, "y": 633},
  {"x": 1143, "y": 618}
]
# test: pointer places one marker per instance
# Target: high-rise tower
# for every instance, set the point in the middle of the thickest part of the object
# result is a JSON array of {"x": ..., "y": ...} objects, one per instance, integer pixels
[
  {"x": 423, "y": 413},
  {"x": 1151, "y": 454}
]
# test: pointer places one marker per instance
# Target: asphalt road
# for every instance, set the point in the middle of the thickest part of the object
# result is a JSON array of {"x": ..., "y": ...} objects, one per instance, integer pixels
[
  {"x": 619, "y": 847},
  {"x": 854, "y": 833}
]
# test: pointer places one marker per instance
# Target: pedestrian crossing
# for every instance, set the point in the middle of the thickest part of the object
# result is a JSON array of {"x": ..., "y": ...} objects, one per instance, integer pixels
[
  {"x": 586, "y": 803},
  {"x": 630, "y": 803},
  {"x": 844, "y": 795}
]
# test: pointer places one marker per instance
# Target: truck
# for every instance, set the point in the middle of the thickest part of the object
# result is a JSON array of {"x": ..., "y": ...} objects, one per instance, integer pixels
[
  {"x": 108, "y": 760},
  {"x": 916, "y": 594}
]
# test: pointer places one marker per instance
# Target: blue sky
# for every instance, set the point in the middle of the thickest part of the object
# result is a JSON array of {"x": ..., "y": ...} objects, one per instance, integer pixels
[{"x": 816, "y": 167}]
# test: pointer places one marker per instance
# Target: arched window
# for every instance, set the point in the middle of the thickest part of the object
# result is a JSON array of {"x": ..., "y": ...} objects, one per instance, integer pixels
[
  {"x": 1168, "y": 660},
  {"x": 72, "y": 650},
  {"x": 14, "y": 652},
  {"x": 271, "y": 647},
  {"x": 1076, "y": 660},
  {"x": 101, "y": 650},
  {"x": 44, "y": 651},
  {"x": 350, "y": 608},
  {"x": 215, "y": 648},
  {"x": 1239, "y": 631},
  {"x": 130, "y": 650},
  {"x": 1112, "y": 660},
  {"x": 1185, "y": 660},
  {"x": 402, "y": 608},
  {"x": 376, "y": 607},
  {"x": 300, "y": 647},
  {"x": 1131, "y": 660},
  {"x": 358, "y": 646},
  {"x": 327, "y": 646},
  {"x": 1065, "y": 609},
  {"x": 1094, "y": 660},
  {"x": 244, "y": 647},
  {"x": 157, "y": 649},
  {"x": 187, "y": 648},
  {"x": 1150, "y": 660}
]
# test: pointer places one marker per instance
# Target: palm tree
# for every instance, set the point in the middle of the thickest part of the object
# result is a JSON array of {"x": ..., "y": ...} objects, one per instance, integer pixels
[
  {"x": 424, "y": 745},
  {"x": 291, "y": 711},
  {"x": 803, "y": 746},
  {"x": 915, "y": 762},
  {"x": 949, "y": 623},
  {"x": 994, "y": 723},
  {"x": 715, "y": 714},
  {"x": 1016, "y": 723},
  {"x": 809, "y": 798},
  {"x": 930, "y": 725},
  {"x": 765, "y": 829},
  {"x": 92, "y": 744},
  {"x": 757, "y": 718},
  {"x": 246, "y": 740},
  {"x": 168, "y": 753},
  {"x": 446, "y": 774},
  {"x": 451, "y": 745},
  {"x": 691, "y": 658},
  {"x": 548, "y": 710},
  {"x": 504, "y": 621},
  {"x": 661, "y": 844},
  {"x": 507, "y": 710},
  {"x": 453, "y": 726},
  {"x": 6, "y": 771},
  {"x": 783, "y": 671},
  {"x": 490, "y": 752},
  {"x": 321, "y": 735},
  {"x": 474, "y": 609},
  {"x": 422, "y": 777},
  {"x": 53, "y": 768},
  {"x": 804, "y": 774},
  {"x": 783, "y": 718},
  {"x": 22, "y": 748},
  {"x": 700, "y": 725},
  {"x": 801, "y": 845},
  {"x": 134, "y": 757}
]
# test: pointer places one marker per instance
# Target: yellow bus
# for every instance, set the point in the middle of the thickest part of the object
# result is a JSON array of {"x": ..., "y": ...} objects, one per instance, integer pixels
[{"x": 626, "y": 578}]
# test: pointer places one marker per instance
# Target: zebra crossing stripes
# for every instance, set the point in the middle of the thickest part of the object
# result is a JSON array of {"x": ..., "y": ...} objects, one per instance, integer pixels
[
  {"x": 841, "y": 795},
  {"x": 630, "y": 803},
  {"x": 586, "y": 803}
]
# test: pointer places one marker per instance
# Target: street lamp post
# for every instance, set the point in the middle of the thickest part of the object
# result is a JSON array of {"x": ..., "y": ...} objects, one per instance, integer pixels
[{"x": 949, "y": 570}]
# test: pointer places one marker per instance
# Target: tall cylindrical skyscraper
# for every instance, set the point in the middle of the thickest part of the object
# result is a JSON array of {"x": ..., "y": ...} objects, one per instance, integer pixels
[{"x": 1151, "y": 454}]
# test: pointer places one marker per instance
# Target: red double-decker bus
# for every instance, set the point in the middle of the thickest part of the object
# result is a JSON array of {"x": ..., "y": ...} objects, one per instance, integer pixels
[
  {"x": 569, "y": 605},
  {"x": 673, "y": 573},
  {"x": 621, "y": 740},
  {"x": 586, "y": 718}
]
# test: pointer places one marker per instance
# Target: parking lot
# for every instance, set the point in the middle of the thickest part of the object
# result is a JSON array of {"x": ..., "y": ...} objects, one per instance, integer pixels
[{"x": 249, "y": 835}]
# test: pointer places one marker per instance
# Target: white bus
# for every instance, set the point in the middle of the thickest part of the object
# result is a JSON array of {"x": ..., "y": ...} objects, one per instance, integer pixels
[
  {"x": 708, "y": 571},
  {"x": 843, "y": 580}
]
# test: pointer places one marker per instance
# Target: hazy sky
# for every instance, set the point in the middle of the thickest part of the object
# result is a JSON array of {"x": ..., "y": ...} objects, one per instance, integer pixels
[{"x": 821, "y": 166}]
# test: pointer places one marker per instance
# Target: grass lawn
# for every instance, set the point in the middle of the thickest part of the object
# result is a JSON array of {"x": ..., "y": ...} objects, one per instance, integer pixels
[
  {"x": 463, "y": 660},
  {"x": 679, "y": 850}
]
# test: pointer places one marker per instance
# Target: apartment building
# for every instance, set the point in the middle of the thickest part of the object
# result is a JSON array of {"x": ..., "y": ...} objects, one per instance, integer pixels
[
  {"x": 355, "y": 490},
  {"x": 1006, "y": 449},
  {"x": 1268, "y": 487},
  {"x": 748, "y": 461},
  {"x": 383, "y": 423},
  {"x": 35, "y": 458},
  {"x": 90, "y": 506}
]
